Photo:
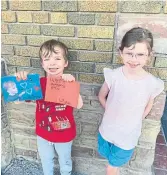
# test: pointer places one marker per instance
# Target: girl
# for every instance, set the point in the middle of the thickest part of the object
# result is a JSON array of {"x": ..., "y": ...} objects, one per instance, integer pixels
[{"x": 131, "y": 92}]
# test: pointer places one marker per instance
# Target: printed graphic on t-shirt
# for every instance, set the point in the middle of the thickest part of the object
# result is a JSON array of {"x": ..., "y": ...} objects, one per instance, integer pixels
[{"x": 54, "y": 121}]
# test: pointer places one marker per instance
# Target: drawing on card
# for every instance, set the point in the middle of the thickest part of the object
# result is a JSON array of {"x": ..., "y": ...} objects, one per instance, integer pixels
[
  {"x": 66, "y": 93},
  {"x": 14, "y": 90}
]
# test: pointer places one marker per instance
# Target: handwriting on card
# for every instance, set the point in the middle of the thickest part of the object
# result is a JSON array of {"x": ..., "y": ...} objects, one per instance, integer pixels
[{"x": 63, "y": 92}]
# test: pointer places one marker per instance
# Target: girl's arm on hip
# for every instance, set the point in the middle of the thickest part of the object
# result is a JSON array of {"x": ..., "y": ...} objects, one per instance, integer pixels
[{"x": 103, "y": 94}]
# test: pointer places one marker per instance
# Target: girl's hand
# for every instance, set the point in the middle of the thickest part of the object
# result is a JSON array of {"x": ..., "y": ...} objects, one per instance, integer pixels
[
  {"x": 22, "y": 75},
  {"x": 68, "y": 77}
]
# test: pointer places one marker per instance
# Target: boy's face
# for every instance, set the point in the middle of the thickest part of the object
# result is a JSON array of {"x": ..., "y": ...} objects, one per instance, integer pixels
[
  {"x": 136, "y": 56},
  {"x": 54, "y": 63}
]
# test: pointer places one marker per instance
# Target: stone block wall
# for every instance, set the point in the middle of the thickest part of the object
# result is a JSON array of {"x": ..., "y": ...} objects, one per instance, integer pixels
[{"x": 91, "y": 30}]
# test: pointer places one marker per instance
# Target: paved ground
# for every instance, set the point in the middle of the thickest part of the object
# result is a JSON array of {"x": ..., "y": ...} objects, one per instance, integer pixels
[{"x": 21, "y": 166}]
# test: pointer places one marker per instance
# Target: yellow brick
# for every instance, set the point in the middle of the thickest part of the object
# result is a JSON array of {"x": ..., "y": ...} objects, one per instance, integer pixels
[
  {"x": 37, "y": 40},
  {"x": 165, "y": 85},
  {"x": 161, "y": 62},
  {"x": 105, "y": 18},
  {"x": 8, "y": 16},
  {"x": 4, "y": 28},
  {"x": 59, "y": 18},
  {"x": 25, "y": 4},
  {"x": 13, "y": 39},
  {"x": 4, "y": 5},
  {"x": 165, "y": 9},
  {"x": 95, "y": 32},
  {"x": 24, "y": 16},
  {"x": 91, "y": 78},
  {"x": 94, "y": 5},
  {"x": 27, "y": 51},
  {"x": 40, "y": 17}
]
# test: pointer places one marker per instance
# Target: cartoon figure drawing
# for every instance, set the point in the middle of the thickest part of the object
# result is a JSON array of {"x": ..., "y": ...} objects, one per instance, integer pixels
[{"x": 10, "y": 88}]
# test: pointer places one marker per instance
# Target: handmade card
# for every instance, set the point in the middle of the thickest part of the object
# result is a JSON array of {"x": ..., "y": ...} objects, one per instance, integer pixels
[
  {"x": 14, "y": 90},
  {"x": 63, "y": 92}
]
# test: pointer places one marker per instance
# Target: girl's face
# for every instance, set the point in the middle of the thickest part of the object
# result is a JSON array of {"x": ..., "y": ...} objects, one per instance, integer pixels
[{"x": 136, "y": 56}]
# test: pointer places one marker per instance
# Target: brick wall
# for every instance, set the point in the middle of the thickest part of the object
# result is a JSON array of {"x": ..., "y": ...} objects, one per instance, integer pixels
[{"x": 91, "y": 30}]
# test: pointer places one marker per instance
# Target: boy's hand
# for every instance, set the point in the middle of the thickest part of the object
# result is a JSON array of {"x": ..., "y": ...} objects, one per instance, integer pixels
[
  {"x": 68, "y": 77},
  {"x": 22, "y": 75}
]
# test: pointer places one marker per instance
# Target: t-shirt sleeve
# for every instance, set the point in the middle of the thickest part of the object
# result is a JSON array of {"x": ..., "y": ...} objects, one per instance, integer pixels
[
  {"x": 158, "y": 88},
  {"x": 108, "y": 76}
]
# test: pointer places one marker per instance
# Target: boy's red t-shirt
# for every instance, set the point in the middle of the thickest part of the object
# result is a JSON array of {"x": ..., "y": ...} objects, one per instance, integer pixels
[{"x": 54, "y": 122}]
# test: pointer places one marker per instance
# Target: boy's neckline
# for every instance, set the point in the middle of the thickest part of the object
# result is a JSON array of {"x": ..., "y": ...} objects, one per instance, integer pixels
[{"x": 142, "y": 78}]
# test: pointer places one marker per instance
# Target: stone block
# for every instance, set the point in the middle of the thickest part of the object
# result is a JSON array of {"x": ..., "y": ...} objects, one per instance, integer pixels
[
  {"x": 6, "y": 49},
  {"x": 90, "y": 166},
  {"x": 27, "y": 51},
  {"x": 81, "y": 44},
  {"x": 81, "y": 18},
  {"x": 141, "y": 6},
  {"x": 39, "y": 71},
  {"x": 26, "y": 153},
  {"x": 4, "y": 28},
  {"x": 105, "y": 19},
  {"x": 24, "y": 16},
  {"x": 95, "y": 56},
  {"x": 57, "y": 30},
  {"x": 60, "y": 5},
  {"x": 142, "y": 159},
  {"x": 4, "y": 5},
  {"x": 98, "y": 6},
  {"x": 165, "y": 8},
  {"x": 95, "y": 32},
  {"x": 91, "y": 78},
  {"x": 38, "y": 40},
  {"x": 13, "y": 39},
  {"x": 58, "y": 17},
  {"x": 24, "y": 29},
  {"x": 78, "y": 151},
  {"x": 81, "y": 67},
  {"x": 22, "y": 118},
  {"x": 18, "y": 61},
  {"x": 103, "y": 45},
  {"x": 36, "y": 62},
  {"x": 25, "y": 5},
  {"x": 89, "y": 116},
  {"x": 21, "y": 141},
  {"x": 99, "y": 67},
  {"x": 72, "y": 55},
  {"x": 23, "y": 131},
  {"x": 8, "y": 16},
  {"x": 161, "y": 62},
  {"x": 40, "y": 17},
  {"x": 88, "y": 129},
  {"x": 150, "y": 130}
]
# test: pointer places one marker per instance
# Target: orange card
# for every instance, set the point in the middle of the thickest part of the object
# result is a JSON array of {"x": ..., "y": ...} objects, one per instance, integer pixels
[{"x": 63, "y": 92}]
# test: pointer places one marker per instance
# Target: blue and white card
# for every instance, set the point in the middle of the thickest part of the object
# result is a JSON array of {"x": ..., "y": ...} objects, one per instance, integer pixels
[{"x": 14, "y": 90}]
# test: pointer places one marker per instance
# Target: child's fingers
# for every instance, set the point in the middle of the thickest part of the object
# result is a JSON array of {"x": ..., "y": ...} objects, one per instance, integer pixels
[{"x": 22, "y": 75}]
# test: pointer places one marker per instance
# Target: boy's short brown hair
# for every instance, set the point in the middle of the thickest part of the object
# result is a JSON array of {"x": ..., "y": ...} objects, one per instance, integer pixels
[{"x": 49, "y": 46}]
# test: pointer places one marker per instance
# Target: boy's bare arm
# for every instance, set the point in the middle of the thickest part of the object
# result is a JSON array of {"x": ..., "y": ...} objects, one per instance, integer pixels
[
  {"x": 148, "y": 108},
  {"x": 103, "y": 94}
]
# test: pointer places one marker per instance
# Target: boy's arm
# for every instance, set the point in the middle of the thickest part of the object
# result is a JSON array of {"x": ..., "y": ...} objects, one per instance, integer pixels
[
  {"x": 80, "y": 102},
  {"x": 103, "y": 94},
  {"x": 148, "y": 107}
]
